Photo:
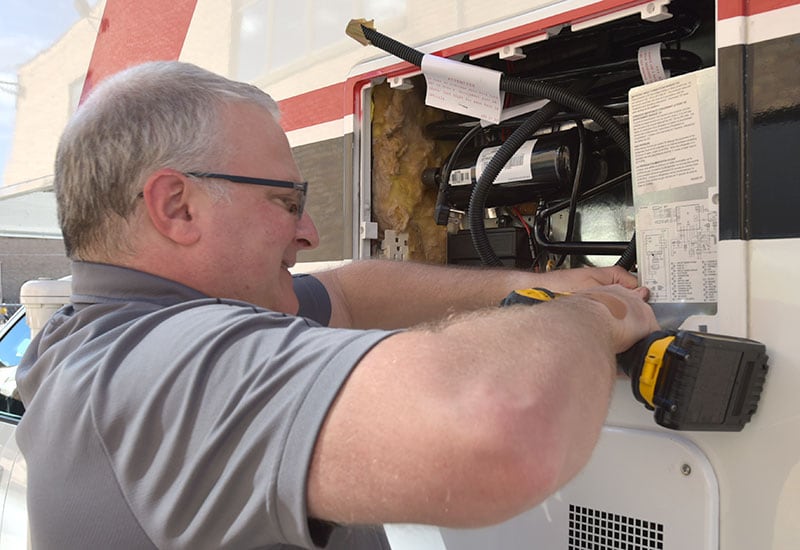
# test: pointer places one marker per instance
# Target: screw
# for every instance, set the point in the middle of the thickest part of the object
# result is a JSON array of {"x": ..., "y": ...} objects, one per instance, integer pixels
[{"x": 686, "y": 469}]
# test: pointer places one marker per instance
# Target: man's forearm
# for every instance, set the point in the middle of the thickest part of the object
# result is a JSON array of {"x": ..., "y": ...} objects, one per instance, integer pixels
[
  {"x": 474, "y": 419},
  {"x": 386, "y": 294}
]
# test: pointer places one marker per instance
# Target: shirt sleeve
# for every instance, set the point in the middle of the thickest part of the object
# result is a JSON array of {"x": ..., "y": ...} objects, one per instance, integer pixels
[
  {"x": 315, "y": 303},
  {"x": 217, "y": 452}
]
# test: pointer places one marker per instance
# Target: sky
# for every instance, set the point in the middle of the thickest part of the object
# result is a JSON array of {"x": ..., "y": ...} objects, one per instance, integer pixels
[{"x": 26, "y": 28}]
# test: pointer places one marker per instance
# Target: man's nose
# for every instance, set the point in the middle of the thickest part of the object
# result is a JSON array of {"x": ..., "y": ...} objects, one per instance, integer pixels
[{"x": 307, "y": 235}]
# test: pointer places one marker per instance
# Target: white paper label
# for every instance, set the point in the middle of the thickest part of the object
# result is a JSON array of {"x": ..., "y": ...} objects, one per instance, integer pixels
[
  {"x": 461, "y": 176},
  {"x": 518, "y": 167},
  {"x": 650, "y": 66},
  {"x": 666, "y": 142},
  {"x": 680, "y": 251},
  {"x": 462, "y": 88}
]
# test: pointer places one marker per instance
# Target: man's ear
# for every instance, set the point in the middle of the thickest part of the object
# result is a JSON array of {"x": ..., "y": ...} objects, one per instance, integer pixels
[{"x": 171, "y": 199}]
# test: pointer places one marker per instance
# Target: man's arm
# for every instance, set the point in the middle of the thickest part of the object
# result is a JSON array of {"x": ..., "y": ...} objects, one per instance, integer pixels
[
  {"x": 385, "y": 294},
  {"x": 475, "y": 420}
]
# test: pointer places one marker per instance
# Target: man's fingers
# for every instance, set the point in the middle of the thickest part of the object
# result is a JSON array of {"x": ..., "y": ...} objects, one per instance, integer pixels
[
  {"x": 623, "y": 277},
  {"x": 643, "y": 292},
  {"x": 634, "y": 318}
]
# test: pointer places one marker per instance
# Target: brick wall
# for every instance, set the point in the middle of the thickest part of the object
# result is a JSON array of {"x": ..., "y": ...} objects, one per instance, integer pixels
[{"x": 22, "y": 259}]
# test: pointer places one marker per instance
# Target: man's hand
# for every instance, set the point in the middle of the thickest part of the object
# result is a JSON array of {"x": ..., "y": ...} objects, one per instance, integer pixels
[
  {"x": 633, "y": 318},
  {"x": 570, "y": 280}
]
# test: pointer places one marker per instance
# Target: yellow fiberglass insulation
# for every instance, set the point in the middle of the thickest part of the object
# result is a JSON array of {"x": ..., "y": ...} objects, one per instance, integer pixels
[{"x": 400, "y": 152}]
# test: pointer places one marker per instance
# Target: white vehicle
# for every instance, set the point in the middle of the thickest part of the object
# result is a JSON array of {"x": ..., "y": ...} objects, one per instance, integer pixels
[
  {"x": 42, "y": 298},
  {"x": 707, "y": 94},
  {"x": 14, "y": 339}
]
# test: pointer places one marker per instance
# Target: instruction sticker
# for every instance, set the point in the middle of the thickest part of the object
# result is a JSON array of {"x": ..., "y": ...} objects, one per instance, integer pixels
[
  {"x": 462, "y": 88},
  {"x": 666, "y": 142},
  {"x": 679, "y": 240}
]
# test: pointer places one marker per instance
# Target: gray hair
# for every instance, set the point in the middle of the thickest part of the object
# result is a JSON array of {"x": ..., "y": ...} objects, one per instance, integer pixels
[{"x": 162, "y": 114}]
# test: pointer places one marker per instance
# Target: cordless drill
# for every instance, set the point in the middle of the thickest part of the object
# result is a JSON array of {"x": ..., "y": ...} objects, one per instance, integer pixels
[{"x": 691, "y": 380}]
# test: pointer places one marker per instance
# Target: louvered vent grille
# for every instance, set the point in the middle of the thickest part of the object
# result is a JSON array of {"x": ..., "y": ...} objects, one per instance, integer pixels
[{"x": 591, "y": 529}]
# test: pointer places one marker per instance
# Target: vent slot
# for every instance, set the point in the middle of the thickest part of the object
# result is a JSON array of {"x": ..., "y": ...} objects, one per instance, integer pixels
[{"x": 591, "y": 529}]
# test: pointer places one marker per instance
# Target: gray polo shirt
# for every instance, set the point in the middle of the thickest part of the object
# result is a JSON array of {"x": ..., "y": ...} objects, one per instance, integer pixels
[{"x": 159, "y": 417}]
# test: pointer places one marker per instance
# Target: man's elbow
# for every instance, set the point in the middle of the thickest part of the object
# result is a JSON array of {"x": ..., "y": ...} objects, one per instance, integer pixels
[{"x": 513, "y": 463}]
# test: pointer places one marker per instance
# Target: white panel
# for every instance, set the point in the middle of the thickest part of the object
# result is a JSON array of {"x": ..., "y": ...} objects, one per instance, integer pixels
[
  {"x": 321, "y": 132},
  {"x": 414, "y": 537},
  {"x": 655, "y": 481},
  {"x": 13, "y": 481}
]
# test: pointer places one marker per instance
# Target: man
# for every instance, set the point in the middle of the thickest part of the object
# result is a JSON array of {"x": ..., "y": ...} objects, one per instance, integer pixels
[{"x": 189, "y": 397}]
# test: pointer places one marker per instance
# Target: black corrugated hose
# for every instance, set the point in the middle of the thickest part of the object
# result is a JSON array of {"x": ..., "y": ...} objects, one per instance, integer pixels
[
  {"x": 477, "y": 228},
  {"x": 392, "y": 46},
  {"x": 558, "y": 97}
]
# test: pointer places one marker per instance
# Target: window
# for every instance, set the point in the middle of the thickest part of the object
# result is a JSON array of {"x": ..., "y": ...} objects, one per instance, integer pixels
[
  {"x": 289, "y": 36},
  {"x": 274, "y": 34},
  {"x": 252, "y": 33}
]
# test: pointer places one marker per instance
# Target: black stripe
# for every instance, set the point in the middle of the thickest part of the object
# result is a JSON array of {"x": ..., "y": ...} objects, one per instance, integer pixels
[
  {"x": 759, "y": 92},
  {"x": 730, "y": 75}
]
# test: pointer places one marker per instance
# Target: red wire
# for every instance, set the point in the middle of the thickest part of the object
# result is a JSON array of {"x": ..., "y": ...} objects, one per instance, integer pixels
[{"x": 524, "y": 223}]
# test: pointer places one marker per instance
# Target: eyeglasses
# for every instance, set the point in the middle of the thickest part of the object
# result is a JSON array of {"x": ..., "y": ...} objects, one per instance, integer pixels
[{"x": 301, "y": 187}]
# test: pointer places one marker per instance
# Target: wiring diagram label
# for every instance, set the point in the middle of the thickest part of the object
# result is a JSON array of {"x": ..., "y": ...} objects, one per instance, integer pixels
[
  {"x": 666, "y": 141},
  {"x": 679, "y": 240}
]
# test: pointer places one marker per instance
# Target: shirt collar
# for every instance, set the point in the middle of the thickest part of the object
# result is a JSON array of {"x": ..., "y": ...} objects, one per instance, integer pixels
[{"x": 94, "y": 283}]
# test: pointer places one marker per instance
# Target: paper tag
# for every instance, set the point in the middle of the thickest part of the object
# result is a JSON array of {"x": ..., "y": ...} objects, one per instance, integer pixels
[
  {"x": 650, "y": 66},
  {"x": 462, "y": 88}
]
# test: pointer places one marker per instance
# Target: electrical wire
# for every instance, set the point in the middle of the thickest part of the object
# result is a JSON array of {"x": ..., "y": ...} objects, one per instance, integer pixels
[
  {"x": 527, "y": 228},
  {"x": 442, "y": 209},
  {"x": 480, "y": 191},
  {"x": 576, "y": 184}
]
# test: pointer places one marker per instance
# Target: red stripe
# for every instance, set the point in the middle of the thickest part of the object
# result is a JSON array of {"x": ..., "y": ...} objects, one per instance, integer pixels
[
  {"x": 314, "y": 107},
  {"x": 737, "y": 8},
  {"x": 133, "y": 32}
]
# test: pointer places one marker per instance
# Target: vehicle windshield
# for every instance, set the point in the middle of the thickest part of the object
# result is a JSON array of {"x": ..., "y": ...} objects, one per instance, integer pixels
[{"x": 14, "y": 342}]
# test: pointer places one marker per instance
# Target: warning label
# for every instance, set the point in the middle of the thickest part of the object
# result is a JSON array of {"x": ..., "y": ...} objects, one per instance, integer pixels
[{"x": 666, "y": 140}]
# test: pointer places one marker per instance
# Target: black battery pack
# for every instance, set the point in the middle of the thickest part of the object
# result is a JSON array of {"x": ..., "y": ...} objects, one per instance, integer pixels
[{"x": 709, "y": 382}]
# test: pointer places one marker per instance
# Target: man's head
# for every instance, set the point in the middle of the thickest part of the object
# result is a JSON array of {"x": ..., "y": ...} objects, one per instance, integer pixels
[{"x": 126, "y": 195}]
